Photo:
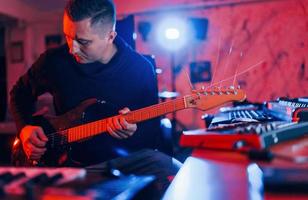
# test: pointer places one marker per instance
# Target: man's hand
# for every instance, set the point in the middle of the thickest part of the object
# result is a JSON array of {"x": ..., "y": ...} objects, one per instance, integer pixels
[
  {"x": 119, "y": 128},
  {"x": 33, "y": 141}
]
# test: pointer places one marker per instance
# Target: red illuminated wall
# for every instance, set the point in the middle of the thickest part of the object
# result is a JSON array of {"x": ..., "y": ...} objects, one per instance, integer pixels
[{"x": 269, "y": 42}]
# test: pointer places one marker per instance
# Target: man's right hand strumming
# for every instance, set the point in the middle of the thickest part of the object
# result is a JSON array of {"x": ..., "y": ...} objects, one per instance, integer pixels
[{"x": 33, "y": 141}]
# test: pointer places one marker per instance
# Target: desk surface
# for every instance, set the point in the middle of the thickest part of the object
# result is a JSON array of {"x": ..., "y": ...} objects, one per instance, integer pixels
[{"x": 213, "y": 174}]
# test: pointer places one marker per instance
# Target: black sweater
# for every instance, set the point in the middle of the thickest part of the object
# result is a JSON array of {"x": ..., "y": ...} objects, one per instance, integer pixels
[{"x": 128, "y": 80}]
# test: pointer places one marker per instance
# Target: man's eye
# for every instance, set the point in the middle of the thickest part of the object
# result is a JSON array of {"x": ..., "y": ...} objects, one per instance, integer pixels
[{"x": 84, "y": 43}]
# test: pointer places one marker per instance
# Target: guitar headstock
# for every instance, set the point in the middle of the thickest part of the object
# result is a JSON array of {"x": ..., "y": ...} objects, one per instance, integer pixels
[{"x": 205, "y": 99}]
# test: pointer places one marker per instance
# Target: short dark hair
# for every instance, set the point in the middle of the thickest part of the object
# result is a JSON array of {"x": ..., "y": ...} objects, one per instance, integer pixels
[{"x": 100, "y": 11}]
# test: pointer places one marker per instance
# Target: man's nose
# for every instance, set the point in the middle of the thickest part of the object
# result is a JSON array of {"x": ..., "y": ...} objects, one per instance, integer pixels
[{"x": 74, "y": 47}]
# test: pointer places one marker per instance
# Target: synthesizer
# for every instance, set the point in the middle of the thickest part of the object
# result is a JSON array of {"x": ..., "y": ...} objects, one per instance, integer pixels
[
  {"x": 13, "y": 180},
  {"x": 18, "y": 183},
  {"x": 241, "y": 113},
  {"x": 287, "y": 109},
  {"x": 254, "y": 135}
]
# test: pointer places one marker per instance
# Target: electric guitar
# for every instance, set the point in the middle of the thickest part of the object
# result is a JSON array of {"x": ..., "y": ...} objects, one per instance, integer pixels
[{"x": 66, "y": 131}]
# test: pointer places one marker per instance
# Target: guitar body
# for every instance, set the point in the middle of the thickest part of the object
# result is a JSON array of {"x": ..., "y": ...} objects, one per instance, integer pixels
[
  {"x": 102, "y": 147},
  {"x": 52, "y": 157}
]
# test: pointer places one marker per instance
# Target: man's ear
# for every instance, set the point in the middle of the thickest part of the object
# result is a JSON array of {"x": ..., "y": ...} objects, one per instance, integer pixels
[{"x": 112, "y": 36}]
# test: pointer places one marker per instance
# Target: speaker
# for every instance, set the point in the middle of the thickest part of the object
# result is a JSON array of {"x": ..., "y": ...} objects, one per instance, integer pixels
[
  {"x": 126, "y": 29},
  {"x": 200, "y": 27},
  {"x": 200, "y": 71},
  {"x": 144, "y": 29}
]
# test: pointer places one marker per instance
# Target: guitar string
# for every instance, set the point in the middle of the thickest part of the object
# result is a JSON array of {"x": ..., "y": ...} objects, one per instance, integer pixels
[
  {"x": 241, "y": 73},
  {"x": 217, "y": 61},
  {"x": 237, "y": 67},
  {"x": 225, "y": 67}
]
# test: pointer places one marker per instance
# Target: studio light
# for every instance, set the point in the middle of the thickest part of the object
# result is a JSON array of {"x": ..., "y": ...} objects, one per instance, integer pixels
[{"x": 171, "y": 33}]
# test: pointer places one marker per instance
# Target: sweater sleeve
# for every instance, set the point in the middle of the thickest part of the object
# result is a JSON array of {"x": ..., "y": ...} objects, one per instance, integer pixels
[{"x": 24, "y": 93}]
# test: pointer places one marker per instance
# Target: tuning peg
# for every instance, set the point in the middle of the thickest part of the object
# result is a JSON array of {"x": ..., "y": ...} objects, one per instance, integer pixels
[
  {"x": 232, "y": 89},
  {"x": 223, "y": 90},
  {"x": 219, "y": 90},
  {"x": 215, "y": 89},
  {"x": 226, "y": 90}
]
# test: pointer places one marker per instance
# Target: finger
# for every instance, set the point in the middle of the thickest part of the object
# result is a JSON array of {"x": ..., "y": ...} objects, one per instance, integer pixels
[
  {"x": 34, "y": 158},
  {"x": 36, "y": 155},
  {"x": 116, "y": 123},
  {"x": 110, "y": 124},
  {"x": 36, "y": 141},
  {"x": 123, "y": 123},
  {"x": 123, "y": 134},
  {"x": 35, "y": 149},
  {"x": 41, "y": 134},
  {"x": 124, "y": 111},
  {"x": 112, "y": 133},
  {"x": 127, "y": 132},
  {"x": 129, "y": 128}
]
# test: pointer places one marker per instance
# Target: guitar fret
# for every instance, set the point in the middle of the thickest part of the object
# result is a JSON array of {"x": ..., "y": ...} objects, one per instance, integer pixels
[
  {"x": 94, "y": 127},
  {"x": 83, "y": 132},
  {"x": 103, "y": 126},
  {"x": 97, "y": 127},
  {"x": 90, "y": 129},
  {"x": 86, "y": 131},
  {"x": 80, "y": 133}
]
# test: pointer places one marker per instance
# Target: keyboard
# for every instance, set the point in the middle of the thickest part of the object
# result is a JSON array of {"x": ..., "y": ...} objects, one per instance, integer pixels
[
  {"x": 245, "y": 134},
  {"x": 124, "y": 188},
  {"x": 287, "y": 109},
  {"x": 14, "y": 180},
  {"x": 67, "y": 183},
  {"x": 239, "y": 115}
]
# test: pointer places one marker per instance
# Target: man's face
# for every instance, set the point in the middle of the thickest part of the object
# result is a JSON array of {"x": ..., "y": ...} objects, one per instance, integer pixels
[{"x": 86, "y": 43}]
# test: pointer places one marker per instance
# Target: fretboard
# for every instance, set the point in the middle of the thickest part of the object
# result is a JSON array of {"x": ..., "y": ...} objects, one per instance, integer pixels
[{"x": 97, "y": 127}]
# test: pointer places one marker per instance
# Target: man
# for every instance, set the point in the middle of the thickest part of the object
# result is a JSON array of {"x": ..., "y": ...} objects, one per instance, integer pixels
[{"x": 95, "y": 62}]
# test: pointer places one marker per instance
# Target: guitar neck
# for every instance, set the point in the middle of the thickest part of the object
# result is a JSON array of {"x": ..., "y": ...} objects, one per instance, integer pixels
[
  {"x": 155, "y": 110},
  {"x": 97, "y": 127}
]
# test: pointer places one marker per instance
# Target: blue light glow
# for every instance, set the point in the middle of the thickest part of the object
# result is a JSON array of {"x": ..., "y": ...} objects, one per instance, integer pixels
[{"x": 171, "y": 33}]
